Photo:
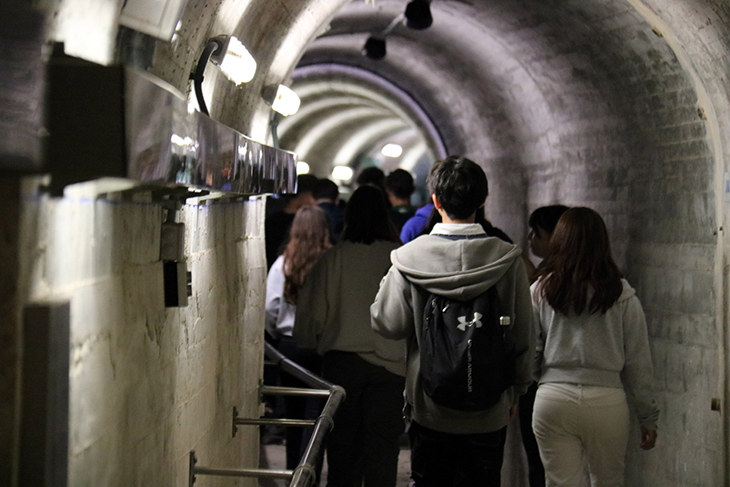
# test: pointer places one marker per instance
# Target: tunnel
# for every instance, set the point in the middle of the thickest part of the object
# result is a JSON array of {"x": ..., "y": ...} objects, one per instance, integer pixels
[{"x": 618, "y": 105}]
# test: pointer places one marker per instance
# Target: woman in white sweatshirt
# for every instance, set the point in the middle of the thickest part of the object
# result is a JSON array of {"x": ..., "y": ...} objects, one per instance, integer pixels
[
  {"x": 334, "y": 317},
  {"x": 309, "y": 238},
  {"x": 591, "y": 344}
]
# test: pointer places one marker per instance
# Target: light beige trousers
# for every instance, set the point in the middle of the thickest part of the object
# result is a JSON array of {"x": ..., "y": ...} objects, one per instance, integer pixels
[{"x": 575, "y": 424}]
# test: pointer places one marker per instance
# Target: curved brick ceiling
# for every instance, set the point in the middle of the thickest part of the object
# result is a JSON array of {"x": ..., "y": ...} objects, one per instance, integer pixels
[{"x": 557, "y": 90}]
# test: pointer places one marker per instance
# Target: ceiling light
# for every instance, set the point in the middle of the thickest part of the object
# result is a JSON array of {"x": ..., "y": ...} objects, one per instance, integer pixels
[
  {"x": 342, "y": 173},
  {"x": 391, "y": 150},
  {"x": 302, "y": 167},
  {"x": 374, "y": 47},
  {"x": 232, "y": 57},
  {"x": 418, "y": 15},
  {"x": 281, "y": 98}
]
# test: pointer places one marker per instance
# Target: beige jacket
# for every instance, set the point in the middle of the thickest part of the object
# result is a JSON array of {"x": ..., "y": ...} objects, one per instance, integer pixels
[{"x": 333, "y": 311}]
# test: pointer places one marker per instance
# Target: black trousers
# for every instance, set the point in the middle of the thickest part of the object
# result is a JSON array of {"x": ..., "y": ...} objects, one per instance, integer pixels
[
  {"x": 450, "y": 460},
  {"x": 362, "y": 448},
  {"x": 297, "y": 407}
]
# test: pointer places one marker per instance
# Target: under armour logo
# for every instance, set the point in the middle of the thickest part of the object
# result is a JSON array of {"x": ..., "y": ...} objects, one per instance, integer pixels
[{"x": 476, "y": 321}]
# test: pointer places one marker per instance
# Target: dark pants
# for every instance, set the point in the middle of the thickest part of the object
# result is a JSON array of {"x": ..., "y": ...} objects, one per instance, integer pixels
[
  {"x": 363, "y": 445},
  {"x": 450, "y": 460},
  {"x": 537, "y": 472},
  {"x": 296, "y": 407}
]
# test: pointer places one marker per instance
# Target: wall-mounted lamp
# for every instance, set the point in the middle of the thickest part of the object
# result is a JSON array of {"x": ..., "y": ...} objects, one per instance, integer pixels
[
  {"x": 391, "y": 150},
  {"x": 342, "y": 173},
  {"x": 418, "y": 15},
  {"x": 233, "y": 58},
  {"x": 281, "y": 98},
  {"x": 302, "y": 167}
]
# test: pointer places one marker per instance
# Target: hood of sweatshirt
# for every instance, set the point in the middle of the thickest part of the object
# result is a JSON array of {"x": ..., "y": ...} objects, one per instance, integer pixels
[
  {"x": 457, "y": 269},
  {"x": 627, "y": 291}
]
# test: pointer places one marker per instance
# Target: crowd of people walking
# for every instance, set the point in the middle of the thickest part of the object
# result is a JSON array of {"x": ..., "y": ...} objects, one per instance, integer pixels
[{"x": 435, "y": 322}]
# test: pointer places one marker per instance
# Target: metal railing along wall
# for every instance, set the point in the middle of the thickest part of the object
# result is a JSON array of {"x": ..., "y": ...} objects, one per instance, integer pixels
[{"x": 305, "y": 474}]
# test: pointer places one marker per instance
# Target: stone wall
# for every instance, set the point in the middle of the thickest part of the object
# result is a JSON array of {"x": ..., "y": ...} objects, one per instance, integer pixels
[{"x": 150, "y": 383}]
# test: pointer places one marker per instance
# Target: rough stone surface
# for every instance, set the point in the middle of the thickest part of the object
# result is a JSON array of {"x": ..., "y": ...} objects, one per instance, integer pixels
[{"x": 149, "y": 383}]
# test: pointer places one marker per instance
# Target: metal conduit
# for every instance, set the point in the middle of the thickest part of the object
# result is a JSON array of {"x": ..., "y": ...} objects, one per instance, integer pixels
[{"x": 305, "y": 474}]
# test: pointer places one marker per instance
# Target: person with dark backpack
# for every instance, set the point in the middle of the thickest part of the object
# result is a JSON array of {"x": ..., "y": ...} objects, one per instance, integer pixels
[{"x": 461, "y": 301}]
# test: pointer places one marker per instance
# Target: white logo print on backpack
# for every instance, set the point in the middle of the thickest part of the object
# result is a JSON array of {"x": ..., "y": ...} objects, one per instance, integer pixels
[{"x": 476, "y": 321}]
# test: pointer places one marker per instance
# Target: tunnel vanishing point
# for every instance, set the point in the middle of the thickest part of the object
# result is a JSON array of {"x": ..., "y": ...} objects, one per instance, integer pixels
[{"x": 619, "y": 105}]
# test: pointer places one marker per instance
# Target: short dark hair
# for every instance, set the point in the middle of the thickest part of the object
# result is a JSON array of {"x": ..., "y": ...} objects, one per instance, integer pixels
[
  {"x": 367, "y": 218},
  {"x": 306, "y": 183},
  {"x": 459, "y": 184},
  {"x": 371, "y": 175},
  {"x": 546, "y": 217},
  {"x": 400, "y": 183},
  {"x": 326, "y": 188}
]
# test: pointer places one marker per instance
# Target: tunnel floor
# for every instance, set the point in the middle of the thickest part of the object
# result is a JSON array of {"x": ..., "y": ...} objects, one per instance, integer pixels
[
  {"x": 514, "y": 466},
  {"x": 276, "y": 456}
]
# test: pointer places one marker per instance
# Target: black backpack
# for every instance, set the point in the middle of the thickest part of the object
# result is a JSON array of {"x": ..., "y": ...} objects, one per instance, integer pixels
[{"x": 467, "y": 355}]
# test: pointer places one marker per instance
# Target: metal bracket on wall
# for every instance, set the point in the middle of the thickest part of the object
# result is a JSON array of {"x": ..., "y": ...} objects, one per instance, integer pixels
[{"x": 176, "y": 277}]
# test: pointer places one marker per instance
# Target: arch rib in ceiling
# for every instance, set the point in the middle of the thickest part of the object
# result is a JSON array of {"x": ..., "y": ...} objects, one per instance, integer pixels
[
  {"x": 431, "y": 134},
  {"x": 365, "y": 137},
  {"x": 321, "y": 129},
  {"x": 312, "y": 108}
]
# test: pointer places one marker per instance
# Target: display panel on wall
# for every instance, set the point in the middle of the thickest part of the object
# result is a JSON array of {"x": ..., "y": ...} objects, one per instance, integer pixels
[{"x": 107, "y": 121}]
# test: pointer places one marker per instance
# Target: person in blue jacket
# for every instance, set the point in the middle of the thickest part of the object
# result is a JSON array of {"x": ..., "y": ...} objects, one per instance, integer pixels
[{"x": 415, "y": 225}]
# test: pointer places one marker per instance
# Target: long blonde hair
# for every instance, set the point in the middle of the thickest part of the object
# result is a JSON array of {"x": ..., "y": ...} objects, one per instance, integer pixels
[{"x": 309, "y": 238}]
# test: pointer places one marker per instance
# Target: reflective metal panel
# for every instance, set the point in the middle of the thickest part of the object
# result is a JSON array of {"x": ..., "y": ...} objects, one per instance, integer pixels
[{"x": 166, "y": 144}]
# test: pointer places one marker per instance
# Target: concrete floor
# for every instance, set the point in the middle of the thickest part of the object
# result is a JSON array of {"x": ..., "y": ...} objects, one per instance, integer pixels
[
  {"x": 514, "y": 469},
  {"x": 276, "y": 457}
]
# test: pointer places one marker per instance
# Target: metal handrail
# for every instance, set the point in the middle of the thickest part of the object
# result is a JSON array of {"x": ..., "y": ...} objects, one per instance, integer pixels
[{"x": 304, "y": 475}]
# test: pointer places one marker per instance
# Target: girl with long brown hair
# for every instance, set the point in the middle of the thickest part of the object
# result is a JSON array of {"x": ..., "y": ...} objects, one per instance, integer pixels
[
  {"x": 592, "y": 342},
  {"x": 309, "y": 238}
]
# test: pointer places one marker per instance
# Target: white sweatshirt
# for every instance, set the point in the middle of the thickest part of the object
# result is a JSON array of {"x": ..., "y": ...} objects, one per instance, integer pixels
[
  {"x": 279, "y": 314},
  {"x": 610, "y": 349}
]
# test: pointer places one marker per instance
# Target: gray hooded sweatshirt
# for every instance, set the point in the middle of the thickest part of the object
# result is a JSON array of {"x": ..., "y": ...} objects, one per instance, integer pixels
[
  {"x": 461, "y": 269},
  {"x": 608, "y": 349}
]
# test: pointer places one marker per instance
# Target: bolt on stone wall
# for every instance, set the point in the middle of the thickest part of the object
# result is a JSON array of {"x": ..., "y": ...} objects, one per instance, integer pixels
[{"x": 149, "y": 383}]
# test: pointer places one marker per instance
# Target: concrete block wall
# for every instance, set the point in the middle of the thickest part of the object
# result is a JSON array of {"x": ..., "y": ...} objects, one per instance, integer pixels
[
  {"x": 649, "y": 169},
  {"x": 149, "y": 383}
]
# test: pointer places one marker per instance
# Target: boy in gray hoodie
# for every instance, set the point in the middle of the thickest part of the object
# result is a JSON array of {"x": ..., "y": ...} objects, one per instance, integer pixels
[{"x": 456, "y": 260}]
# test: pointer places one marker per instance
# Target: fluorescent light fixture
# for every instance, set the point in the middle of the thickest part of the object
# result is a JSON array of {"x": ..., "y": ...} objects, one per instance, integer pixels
[
  {"x": 342, "y": 173},
  {"x": 235, "y": 61},
  {"x": 302, "y": 167},
  {"x": 391, "y": 150}
]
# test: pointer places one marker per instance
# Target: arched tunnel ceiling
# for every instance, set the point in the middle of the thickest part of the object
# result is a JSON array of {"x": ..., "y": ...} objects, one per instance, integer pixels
[
  {"x": 542, "y": 94},
  {"x": 347, "y": 113}
]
